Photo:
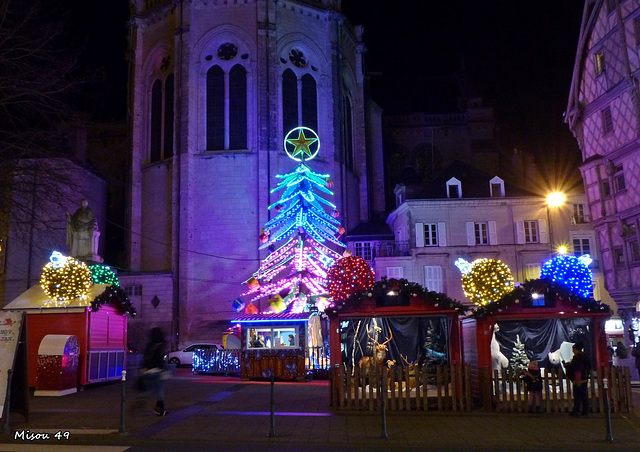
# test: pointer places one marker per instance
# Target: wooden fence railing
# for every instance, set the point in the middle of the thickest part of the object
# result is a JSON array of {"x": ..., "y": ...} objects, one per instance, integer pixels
[
  {"x": 510, "y": 394},
  {"x": 446, "y": 388}
]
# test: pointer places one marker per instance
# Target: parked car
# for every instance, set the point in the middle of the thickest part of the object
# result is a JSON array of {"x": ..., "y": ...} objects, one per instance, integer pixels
[{"x": 184, "y": 357}]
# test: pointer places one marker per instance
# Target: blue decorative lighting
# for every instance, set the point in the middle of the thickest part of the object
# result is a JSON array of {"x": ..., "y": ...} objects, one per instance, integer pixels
[{"x": 570, "y": 271}]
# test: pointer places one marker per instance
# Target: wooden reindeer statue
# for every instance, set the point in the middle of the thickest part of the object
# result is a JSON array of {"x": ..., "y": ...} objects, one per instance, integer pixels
[{"x": 378, "y": 359}]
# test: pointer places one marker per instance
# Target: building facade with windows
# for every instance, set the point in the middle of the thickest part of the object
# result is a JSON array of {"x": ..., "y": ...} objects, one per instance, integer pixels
[
  {"x": 216, "y": 86},
  {"x": 603, "y": 115},
  {"x": 480, "y": 219}
]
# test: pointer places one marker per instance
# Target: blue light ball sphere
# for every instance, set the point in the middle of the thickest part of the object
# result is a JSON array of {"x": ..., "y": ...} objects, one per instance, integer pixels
[{"x": 569, "y": 271}]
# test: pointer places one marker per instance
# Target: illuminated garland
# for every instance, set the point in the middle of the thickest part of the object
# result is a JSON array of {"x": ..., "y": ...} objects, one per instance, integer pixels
[
  {"x": 405, "y": 289},
  {"x": 65, "y": 278},
  {"x": 484, "y": 281},
  {"x": 525, "y": 292},
  {"x": 114, "y": 295},
  {"x": 348, "y": 276},
  {"x": 570, "y": 271},
  {"x": 102, "y": 274}
]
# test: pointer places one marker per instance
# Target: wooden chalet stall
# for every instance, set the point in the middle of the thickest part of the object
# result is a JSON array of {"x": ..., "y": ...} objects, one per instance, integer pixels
[
  {"x": 98, "y": 321},
  {"x": 285, "y": 345},
  {"x": 403, "y": 339},
  {"x": 539, "y": 321}
]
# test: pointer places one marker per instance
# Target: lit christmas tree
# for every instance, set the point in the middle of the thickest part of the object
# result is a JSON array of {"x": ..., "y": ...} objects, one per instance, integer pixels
[
  {"x": 297, "y": 270},
  {"x": 519, "y": 359}
]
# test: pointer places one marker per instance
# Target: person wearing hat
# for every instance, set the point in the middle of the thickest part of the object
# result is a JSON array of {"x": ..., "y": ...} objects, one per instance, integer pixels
[
  {"x": 533, "y": 384},
  {"x": 578, "y": 371}
]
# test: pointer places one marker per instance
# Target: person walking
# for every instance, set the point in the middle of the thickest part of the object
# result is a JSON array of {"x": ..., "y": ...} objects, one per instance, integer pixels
[
  {"x": 154, "y": 371},
  {"x": 578, "y": 370},
  {"x": 636, "y": 354}
]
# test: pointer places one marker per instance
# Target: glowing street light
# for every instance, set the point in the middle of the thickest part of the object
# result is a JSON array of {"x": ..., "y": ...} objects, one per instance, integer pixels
[{"x": 556, "y": 199}]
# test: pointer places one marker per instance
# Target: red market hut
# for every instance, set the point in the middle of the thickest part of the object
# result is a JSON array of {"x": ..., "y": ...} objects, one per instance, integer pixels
[
  {"x": 538, "y": 320},
  {"x": 97, "y": 320},
  {"x": 394, "y": 324}
]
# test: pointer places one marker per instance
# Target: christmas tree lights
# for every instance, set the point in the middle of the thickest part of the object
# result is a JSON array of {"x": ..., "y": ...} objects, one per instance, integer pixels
[
  {"x": 102, "y": 274},
  {"x": 485, "y": 281},
  {"x": 570, "y": 271},
  {"x": 65, "y": 278},
  {"x": 295, "y": 273}
]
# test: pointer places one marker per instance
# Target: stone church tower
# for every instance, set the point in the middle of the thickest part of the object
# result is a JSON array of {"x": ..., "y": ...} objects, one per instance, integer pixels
[{"x": 215, "y": 86}]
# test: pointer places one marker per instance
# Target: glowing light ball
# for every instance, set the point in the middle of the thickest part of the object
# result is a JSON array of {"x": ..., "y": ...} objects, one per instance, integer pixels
[
  {"x": 349, "y": 275},
  {"x": 102, "y": 274},
  {"x": 485, "y": 281},
  {"x": 570, "y": 271},
  {"x": 65, "y": 278}
]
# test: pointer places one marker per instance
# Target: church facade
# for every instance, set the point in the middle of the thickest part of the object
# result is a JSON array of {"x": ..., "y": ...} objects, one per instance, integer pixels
[{"x": 215, "y": 87}]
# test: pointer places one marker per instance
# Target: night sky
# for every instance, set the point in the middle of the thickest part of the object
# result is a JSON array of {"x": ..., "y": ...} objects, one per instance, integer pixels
[{"x": 519, "y": 57}]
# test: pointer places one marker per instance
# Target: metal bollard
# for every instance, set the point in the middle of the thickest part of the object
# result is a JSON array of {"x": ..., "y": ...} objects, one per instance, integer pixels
[
  {"x": 272, "y": 429},
  {"x": 607, "y": 409},
  {"x": 122, "y": 401},
  {"x": 383, "y": 404}
]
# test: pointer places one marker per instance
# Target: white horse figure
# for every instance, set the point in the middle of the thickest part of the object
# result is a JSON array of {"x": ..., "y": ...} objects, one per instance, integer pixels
[{"x": 498, "y": 360}]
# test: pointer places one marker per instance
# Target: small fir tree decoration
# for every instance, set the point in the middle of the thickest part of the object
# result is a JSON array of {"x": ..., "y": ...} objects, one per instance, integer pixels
[{"x": 519, "y": 359}]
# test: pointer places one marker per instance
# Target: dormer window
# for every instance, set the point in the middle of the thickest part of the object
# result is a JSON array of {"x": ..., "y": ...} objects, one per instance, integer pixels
[
  {"x": 400, "y": 191},
  {"x": 496, "y": 187},
  {"x": 454, "y": 188}
]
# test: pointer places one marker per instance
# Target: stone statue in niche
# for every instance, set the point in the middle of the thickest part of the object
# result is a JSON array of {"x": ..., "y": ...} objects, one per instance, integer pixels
[{"x": 82, "y": 233}]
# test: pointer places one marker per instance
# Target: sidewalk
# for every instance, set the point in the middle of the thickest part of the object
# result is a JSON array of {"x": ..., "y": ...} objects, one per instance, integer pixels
[{"x": 228, "y": 411}]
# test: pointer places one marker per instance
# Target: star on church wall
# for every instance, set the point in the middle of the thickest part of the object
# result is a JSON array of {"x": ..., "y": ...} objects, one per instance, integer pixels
[{"x": 301, "y": 144}]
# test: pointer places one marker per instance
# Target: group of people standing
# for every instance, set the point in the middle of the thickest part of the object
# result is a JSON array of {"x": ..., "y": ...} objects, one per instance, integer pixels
[{"x": 578, "y": 370}]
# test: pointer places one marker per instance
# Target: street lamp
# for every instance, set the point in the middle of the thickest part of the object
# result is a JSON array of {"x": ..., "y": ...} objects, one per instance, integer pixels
[{"x": 554, "y": 199}]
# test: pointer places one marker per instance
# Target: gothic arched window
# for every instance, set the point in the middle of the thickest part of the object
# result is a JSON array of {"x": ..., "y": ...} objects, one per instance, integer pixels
[
  {"x": 238, "y": 107},
  {"x": 299, "y": 101},
  {"x": 215, "y": 108},
  {"x": 161, "y": 124},
  {"x": 226, "y": 101},
  {"x": 348, "y": 134}
]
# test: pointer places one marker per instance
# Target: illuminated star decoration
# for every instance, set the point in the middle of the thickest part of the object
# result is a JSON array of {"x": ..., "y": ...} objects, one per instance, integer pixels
[{"x": 301, "y": 145}]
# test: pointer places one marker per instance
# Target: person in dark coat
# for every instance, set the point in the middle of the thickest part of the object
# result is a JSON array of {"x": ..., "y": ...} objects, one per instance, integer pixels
[
  {"x": 533, "y": 384},
  {"x": 578, "y": 370},
  {"x": 154, "y": 368}
]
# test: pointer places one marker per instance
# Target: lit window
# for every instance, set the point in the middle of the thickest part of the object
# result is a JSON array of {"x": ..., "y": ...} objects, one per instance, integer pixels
[
  {"x": 607, "y": 121},
  {"x": 599, "y": 61},
  {"x": 481, "y": 233},
  {"x": 272, "y": 337},
  {"x": 531, "y": 231},
  {"x": 578, "y": 214},
  {"x": 531, "y": 271}
]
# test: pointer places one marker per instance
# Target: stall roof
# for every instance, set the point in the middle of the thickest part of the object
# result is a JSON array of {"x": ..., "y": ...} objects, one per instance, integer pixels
[
  {"x": 271, "y": 317},
  {"x": 35, "y": 299}
]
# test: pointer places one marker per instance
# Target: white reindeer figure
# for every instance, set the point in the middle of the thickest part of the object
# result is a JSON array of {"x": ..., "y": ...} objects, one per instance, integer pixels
[{"x": 498, "y": 360}]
